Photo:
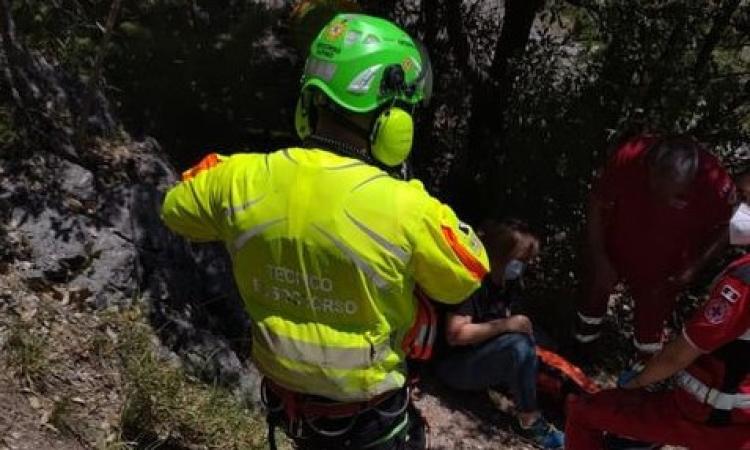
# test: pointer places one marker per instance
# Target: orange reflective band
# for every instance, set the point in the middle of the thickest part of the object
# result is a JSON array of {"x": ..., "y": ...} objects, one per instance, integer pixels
[
  {"x": 208, "y": 161},
  {"x": 569, "y": 369},
  {"x": 419, "y": 342},
  {"x": 469, "y": 261}
]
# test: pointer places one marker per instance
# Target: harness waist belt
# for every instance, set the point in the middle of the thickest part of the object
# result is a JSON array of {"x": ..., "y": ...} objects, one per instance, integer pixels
[
  {"x": 711, "y": 396},
  {"x": 299, "y": 405}
]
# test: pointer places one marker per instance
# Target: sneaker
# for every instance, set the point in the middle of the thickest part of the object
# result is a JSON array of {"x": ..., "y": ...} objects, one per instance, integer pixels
[{"x": 543, "y": 434}]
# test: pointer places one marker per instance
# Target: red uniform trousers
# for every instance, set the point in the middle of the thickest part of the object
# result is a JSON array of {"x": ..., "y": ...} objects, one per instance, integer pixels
[
  {"x": 645, "y": 416},
  {"x": 654, "y": 301}
]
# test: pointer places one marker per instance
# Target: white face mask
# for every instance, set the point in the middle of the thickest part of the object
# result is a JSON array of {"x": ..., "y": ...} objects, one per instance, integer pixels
[
  {"x": 739, "y": 226},
  {"x": 513, "y": 270}
]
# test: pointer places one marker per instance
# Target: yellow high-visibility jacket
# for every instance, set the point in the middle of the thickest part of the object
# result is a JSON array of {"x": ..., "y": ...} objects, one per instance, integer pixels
[{"x": 326, "y": 253}]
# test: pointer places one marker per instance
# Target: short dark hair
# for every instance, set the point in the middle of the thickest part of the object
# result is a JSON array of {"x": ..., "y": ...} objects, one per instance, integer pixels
[{"x": 676, "y": 157}]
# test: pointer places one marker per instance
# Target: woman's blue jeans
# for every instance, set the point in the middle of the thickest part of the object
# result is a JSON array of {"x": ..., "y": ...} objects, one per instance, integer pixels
[{"x": 508, "y": 360}]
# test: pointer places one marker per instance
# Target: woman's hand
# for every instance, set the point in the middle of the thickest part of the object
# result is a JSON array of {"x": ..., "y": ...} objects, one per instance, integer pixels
[{"x": 518, "y": 324}]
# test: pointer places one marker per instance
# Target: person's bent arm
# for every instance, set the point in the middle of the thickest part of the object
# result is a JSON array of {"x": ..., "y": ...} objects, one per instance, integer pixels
[
  {"x": 608, "y": 185},
  {"x": 720, "y": 320},
  {"x": 459, "y": 329},
  {"x": 449, "y": 261},
  {"x": 675, "y": 356},
  {"x": 717, "y": 212},
  {"x": 188, "y": 209},
  {"x": 716, "y": 246}
]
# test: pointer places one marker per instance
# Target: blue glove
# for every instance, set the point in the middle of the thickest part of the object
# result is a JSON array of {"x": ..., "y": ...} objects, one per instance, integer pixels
[
  {"x": 629, "y": 373},
  {"x": 626, "y": 376}
]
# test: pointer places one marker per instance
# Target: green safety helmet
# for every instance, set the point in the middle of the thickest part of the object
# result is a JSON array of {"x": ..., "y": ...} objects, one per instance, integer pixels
[{"x": 363, "y": 64}]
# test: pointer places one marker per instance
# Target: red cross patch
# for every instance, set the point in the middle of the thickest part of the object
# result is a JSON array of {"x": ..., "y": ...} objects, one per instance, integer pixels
[{"x": 716, "y": 311}]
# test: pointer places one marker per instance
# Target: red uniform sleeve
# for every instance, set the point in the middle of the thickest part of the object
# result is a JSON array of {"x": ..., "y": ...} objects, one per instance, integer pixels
[
  {"x": 723, "y": 318},
  {"x": 613, "y": 178},
  {"x": 720, "y": 193}
]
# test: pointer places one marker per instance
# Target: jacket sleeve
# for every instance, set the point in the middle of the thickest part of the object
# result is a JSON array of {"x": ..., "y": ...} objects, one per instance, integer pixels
[
  {"x": 615, "y": 177},
  {"x": 190, "y": 208},
  {"x": 448, "y": 261}
]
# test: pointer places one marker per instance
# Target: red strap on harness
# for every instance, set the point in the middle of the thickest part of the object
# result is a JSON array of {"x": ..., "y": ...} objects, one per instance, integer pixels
[
  {"x": 298, "y": 405},
  {"x": 419, "y": 341}
]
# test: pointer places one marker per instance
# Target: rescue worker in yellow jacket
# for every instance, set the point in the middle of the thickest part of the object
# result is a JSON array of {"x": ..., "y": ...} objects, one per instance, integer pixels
[{"x": 328, "y": 248}]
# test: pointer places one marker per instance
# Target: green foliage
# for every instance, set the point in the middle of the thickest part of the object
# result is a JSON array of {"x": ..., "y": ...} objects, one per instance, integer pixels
[
  {"x": 203, "y": 77},
  {"x": 553, "y": 98},
  {"x": 26, "y": 352},
  {"x": 66, "y": 30}
]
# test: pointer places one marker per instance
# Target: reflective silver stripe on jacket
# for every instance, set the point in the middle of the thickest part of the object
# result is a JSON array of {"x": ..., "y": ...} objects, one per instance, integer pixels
[
  {"x": 250, "y": 233},
  {"x": 235, "y": 209},
  {"x": 394, "y": 249},
  {"x": 355, "y": 258},
  {"x": 320, "y": 355},
  {"x": 710, "y": 396}
]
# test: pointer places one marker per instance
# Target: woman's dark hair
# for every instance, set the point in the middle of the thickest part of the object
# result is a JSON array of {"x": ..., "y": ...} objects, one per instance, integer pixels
[{"x": 500, "y": 237}]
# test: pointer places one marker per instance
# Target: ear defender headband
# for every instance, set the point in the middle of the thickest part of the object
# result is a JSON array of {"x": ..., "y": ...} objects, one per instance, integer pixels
[{"x": 302, "y": 112}]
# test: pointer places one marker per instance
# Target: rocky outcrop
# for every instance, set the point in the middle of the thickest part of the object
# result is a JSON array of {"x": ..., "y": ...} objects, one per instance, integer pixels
[{"x": 86, "y": 215}]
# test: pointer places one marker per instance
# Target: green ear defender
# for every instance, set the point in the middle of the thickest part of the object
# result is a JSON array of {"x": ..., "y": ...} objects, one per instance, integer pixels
[{"x": 392, "y": 135}]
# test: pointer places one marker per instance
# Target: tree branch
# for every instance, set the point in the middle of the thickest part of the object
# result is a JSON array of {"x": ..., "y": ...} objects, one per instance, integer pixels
[{"x": 702, "y": 61}]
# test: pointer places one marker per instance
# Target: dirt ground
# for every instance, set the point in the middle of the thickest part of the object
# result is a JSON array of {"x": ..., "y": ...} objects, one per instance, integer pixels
[
  {"x": 58, "y": 387},
  {"x": 21, "y": 426},
  {"x": 467, "y": 420}
]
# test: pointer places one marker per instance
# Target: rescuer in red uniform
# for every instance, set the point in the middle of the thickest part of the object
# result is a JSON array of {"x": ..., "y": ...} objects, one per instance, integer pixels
[
  {"x": 709, "y": 409},
  {"x": 657, "y": 214}
]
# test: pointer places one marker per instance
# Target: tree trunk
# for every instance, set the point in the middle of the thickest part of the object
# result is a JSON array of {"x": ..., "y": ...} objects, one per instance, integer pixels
[{"x": 490, "y": 100}]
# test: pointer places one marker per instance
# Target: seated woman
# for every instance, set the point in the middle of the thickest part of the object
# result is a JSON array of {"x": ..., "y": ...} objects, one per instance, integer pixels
[{"x": 487, "y": 345}]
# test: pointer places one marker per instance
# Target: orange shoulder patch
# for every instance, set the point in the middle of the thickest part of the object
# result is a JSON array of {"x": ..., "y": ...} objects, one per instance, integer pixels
[
  {"x": 208, "y": 161},
  {"x": 475, "y": 267}
]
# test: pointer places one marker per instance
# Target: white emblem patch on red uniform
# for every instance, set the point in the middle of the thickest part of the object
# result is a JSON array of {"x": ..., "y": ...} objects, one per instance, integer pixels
[
  {"x": 729, "y": 293},
  {"x": 717, "y": 311}
]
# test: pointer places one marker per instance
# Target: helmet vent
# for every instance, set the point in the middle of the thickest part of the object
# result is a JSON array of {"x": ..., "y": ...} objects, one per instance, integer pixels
[
  {"x": 371, "y": 39},
  {"x": 321, "y": 69},
  {"x": 352, "y": 37},
  {"x": 362, "y": 82}
]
